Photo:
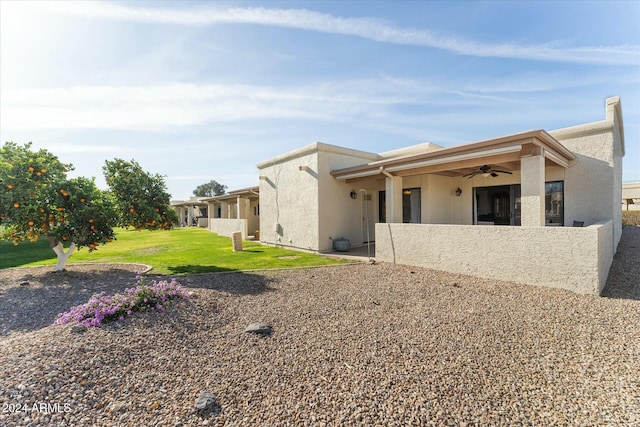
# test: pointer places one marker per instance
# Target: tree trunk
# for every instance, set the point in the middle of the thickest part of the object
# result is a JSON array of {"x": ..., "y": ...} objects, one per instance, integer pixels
[{"x": 63, "y": 256}]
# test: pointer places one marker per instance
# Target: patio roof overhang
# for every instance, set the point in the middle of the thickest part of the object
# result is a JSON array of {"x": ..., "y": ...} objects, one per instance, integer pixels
[
  {"x": 188, "y": 203},
  {"x": 243, "y": 193},
  {"x": 504, "y": 152}
]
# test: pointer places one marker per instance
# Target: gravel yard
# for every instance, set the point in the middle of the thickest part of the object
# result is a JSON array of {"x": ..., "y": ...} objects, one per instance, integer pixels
[{"x": 351, "y": 345}]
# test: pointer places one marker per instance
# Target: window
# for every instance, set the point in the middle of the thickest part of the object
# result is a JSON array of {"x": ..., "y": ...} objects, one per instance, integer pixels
[
  {"x": 554, "y": 203},
  {"x": 411, "y": 210},
  {"x": 411, "y": 205},
  {"x": 382, "y": 207}
]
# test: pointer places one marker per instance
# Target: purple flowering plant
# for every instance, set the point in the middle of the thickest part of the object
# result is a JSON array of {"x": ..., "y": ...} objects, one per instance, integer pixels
[{"x": 103, "y": 308}]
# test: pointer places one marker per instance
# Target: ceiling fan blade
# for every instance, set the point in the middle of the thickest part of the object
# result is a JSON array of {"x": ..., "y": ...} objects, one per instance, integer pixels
[
  {"x": 499, "y": 171},
  {"x": 493, "y": 174},
  {"x": 472, "y": 174}
]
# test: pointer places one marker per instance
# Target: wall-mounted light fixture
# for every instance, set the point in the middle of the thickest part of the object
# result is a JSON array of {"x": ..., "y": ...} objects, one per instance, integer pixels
[
  {"x": 303, "y": 168},
  {"x": 458, "y": 192},
  {"x": 353, "y": 194},
  {"x": 262, "y": 178},
  {"x": 406, "y": 192}
]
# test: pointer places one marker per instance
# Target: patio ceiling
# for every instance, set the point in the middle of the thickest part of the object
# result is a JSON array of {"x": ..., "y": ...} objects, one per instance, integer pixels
[{"x": 502, "y": 153}]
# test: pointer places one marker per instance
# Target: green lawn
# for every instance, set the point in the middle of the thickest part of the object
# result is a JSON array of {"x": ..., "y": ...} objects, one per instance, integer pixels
[{"x": 179, "y": 251}]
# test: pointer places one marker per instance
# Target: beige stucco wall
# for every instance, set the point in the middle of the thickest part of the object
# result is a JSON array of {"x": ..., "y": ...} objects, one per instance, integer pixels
[
  {"x": 576, "y": 259},
  {"x": 302, "y": 206},
  {"x": 289, "y": 202},
  {"x": 605, "y": 251},
  {"x": 593, "y": 185},
  {"x": 340, "y": 215},
  {"x": 226, "y": 227}
]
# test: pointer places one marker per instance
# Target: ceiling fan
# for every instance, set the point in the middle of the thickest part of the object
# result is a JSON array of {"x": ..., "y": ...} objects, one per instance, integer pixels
[{"x": 486, "y": 170}]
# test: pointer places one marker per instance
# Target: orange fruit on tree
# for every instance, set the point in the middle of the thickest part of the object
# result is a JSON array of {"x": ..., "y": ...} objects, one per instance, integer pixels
[
  {"x": 38, "y": 173},
  {"x": 81, "y": 200},
  {"x": 30, "y": 223},
  {"x": 16, "y": 205},
  {"x": 91, "y": 220},
  {"x": 31, "y": 169},
  {"x": 9, "y": 186},
  {"x": 43, "y": 170}
]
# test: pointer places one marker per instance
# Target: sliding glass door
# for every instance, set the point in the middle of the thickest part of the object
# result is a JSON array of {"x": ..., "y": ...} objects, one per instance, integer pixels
[{"x": 501, "y": 204}]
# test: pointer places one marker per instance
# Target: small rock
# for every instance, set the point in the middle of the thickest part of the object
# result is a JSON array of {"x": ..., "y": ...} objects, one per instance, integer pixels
[
  {"x": 259, "y": 328},
  {"x": 78, "y": 329},
  {"x": 205, "y": 401},
  {"x": 117, "y": 406}
]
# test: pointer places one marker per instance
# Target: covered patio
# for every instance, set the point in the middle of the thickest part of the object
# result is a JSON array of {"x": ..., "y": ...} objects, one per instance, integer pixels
[
  {"x": 238, "y": 210},
  {"x": 528, "y": 159},
  {"x": 191, "y": 213}
]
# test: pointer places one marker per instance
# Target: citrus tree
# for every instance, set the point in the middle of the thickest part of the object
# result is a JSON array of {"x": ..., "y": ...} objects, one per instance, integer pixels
[
  {"x": 37, "y": 199},
  {"x": 142, "y": 198}
]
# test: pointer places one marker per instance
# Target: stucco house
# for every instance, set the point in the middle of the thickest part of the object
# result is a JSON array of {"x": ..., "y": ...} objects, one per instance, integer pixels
[
  {"x": 237, "y": 210},
  {"x": 537, "y": 207},
  {"x": 192, "y": 212}
]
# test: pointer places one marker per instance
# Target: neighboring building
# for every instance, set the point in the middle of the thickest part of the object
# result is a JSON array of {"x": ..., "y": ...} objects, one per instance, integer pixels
[
  {"x": 191, "y": 213},
  {"x": 237, "y": 210},
  {"x": 535, "y": 207},
  {"x": 631, "y": 196}
]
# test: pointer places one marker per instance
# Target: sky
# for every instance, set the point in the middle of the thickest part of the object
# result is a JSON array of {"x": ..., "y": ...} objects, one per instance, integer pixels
[{"x": 197, "y": 91}]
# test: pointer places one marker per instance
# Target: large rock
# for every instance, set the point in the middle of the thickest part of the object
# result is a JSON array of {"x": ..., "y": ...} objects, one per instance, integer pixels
[{"x": 205, "y": 401}]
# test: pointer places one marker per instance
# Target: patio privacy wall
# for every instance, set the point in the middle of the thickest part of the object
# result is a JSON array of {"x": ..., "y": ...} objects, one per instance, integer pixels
[
  {"x": 227, "y": 226},
  {"x": 576, "y": 259}
]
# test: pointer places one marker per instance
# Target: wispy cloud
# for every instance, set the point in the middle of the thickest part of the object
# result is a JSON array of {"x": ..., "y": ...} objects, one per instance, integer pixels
[
  {"x": 148, "y": 108},
  {"x": 361, "y": 102},
  {"x": 368, "y": 28}
]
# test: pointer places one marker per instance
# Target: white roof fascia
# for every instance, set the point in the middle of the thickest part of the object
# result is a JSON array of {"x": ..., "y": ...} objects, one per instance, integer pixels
[{"x": 314, "y": 148}]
